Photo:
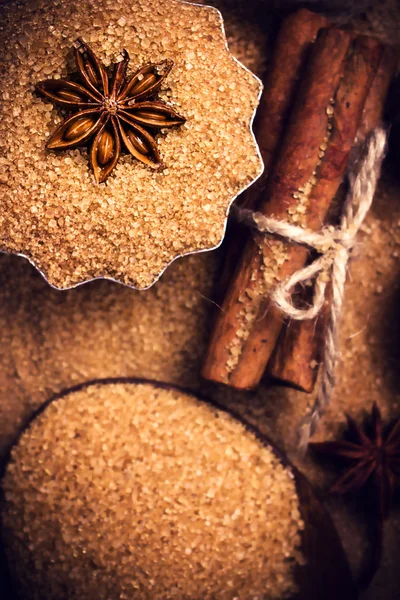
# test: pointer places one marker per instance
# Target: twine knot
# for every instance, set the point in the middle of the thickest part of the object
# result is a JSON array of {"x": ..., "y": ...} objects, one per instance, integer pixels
[{"x": 334, "y": 245}]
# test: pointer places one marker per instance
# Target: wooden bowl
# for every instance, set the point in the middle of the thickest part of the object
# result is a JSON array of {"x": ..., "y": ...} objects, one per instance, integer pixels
[{"x": 326, "y": 574}]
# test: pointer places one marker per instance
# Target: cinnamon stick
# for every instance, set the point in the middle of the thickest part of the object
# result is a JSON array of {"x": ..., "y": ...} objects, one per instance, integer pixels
[
  {"x": 305, "y": 177},
  {"x": 375, "y": 104},
  {"x": 297, "y": 33},
  {"x": 297, "y": 355},
  {"x": 298, "y": 352}
]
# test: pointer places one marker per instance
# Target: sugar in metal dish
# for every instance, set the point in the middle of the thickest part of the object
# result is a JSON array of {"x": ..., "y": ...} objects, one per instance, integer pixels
[{"x": 131, "y": 227}]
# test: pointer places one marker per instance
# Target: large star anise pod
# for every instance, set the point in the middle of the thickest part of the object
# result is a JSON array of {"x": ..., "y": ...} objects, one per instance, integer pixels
[
  {"x": 111, "y": 109},
  {"x": 372, "y": 456}
]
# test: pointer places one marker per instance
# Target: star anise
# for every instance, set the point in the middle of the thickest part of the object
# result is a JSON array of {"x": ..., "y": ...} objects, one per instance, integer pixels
[
  {"x": 111, "y": 109},
  {"x": 372, "y": 455}
]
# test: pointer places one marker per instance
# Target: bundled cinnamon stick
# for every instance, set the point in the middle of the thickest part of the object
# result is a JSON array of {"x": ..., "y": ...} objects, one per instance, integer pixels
[
  {"x": 297, "y": 354},
  {"x": 293, "y": 45},
  {"x": 307, "y": 173},
  {"x": 297, "y": 33}
]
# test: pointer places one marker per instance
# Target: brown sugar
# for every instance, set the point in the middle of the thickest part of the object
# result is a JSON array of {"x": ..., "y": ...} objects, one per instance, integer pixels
[
  {"x": 131, "y": 227},
  {"x": 47, "y": 346},
  {"x": 127, "y": 490}
]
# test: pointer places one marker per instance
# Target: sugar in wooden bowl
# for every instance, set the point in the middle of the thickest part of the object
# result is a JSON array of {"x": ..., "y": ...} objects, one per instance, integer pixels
[{"x": 131, "y": 489}]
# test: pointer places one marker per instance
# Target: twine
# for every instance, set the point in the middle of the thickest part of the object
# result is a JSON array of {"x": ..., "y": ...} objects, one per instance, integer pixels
[{"x": 335, "y": 246}]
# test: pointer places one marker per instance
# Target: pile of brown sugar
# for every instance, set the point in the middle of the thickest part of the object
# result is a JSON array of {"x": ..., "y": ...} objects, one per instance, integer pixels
[
  {"x": 131, "y": 227},
  {"x": 126, "y": 490}
]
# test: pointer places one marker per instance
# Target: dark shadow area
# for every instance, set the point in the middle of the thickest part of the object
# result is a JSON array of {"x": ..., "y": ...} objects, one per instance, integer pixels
[
  {"x": 6, "y": 586},
  {"x": 390, "y": 340}
]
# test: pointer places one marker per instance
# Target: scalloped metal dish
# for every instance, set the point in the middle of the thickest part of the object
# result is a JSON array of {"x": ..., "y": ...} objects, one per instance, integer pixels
[{"x": 105, "y": 277}]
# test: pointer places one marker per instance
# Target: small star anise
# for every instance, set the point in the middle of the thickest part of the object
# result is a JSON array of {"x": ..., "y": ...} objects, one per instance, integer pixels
[
  {"x": 373, "y": 457},
  {"x": 112, "y": 109}
]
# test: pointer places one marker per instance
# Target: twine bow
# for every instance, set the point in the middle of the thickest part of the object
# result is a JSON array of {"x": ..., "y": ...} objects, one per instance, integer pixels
[{"x": 334, "y": 245}]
